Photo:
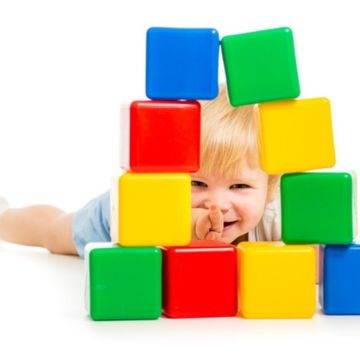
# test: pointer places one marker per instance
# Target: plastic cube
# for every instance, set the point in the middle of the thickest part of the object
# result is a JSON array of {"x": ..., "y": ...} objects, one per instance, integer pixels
[
  {"x": 340, "y": 286},
  {"x": 200, "y": 280},
  {"x": 276, "y": 280},
  {"x": 260, "y": 66},
  {"x": 296, "y": 135},
  {"x": 123, "y": 283},
  {"x": 317, "y": 208},
  {"x": 182, "y": 63},
  {"x": 151, "y": 209},
  {"x": 164, "y": 136}
]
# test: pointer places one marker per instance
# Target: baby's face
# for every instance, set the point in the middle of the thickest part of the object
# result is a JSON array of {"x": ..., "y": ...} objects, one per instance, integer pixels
[{"x": 241, "y": 199}]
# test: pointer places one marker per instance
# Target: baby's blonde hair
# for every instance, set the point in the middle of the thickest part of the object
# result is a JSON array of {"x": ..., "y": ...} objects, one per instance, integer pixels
[{"x": 229, "y": 136}]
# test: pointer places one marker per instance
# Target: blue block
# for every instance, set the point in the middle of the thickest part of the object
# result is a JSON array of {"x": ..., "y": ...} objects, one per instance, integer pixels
[
  {"x": 340, "y": 287},
  {"x": 182, "y": 64}
]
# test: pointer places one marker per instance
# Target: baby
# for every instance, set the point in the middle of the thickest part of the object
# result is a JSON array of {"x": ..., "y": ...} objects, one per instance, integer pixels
[{"x": 233, "y": 200}]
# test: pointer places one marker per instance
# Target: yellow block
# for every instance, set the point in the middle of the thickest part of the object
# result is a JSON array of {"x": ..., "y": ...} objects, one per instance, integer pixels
[
  {"x": 154, "y": 209},
  {"x": 276, "y": 280},
  {"x": 296, "y": 135}
]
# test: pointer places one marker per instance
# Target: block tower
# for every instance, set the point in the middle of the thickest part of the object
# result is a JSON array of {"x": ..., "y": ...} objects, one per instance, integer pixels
[
  {"x": 317, "y": 208},
  {"x": 153, "y": 267},
  {"x": 275, "y": 280},
  {"x": 151, "y": 201}
]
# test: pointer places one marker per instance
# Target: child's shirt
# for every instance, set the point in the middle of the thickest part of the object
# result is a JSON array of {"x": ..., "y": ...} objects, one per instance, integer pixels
[{"x": 269, "y": 228}]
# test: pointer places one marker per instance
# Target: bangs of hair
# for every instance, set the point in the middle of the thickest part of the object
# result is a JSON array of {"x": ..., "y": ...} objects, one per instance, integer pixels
[{"x": 229, "y": 137}]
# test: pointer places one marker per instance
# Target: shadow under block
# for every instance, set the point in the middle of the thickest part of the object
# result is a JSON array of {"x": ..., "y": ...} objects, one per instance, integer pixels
[
  {"x": 317, "y": 208},
  {"x": 260, "y": 66},
  {"x": 182, "y": 63},
  {"x": 276, "y": 280},
  {"x": 296, "y": 135},
  {"x": 339, "y": 289},
  {"x": 152, "y": 209},
  {"x": 124, "y": 283},
  {"x": 200, "y": 280},
  {"x": 164, "y": 136}
]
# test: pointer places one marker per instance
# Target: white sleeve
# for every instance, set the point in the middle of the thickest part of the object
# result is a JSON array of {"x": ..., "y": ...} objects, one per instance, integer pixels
[{"x": 269, "y": 228}]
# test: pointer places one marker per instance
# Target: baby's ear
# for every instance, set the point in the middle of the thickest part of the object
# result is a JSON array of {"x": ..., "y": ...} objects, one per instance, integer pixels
[{"x": 273, "y": 187}]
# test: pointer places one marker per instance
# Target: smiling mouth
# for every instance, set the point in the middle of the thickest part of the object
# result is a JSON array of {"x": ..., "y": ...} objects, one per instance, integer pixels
[{"x": 229, "y": 223}]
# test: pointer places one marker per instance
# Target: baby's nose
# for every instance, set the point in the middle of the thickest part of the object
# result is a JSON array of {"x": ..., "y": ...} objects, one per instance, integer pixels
[{"x": 224, "y": 206}]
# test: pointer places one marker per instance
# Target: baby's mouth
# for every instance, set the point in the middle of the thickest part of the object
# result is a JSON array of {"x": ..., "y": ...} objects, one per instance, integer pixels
[{"x": 227, "y": 224}]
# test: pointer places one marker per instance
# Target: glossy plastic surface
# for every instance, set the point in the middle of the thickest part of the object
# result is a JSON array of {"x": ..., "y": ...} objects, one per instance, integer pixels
[
  {"x": 340, "y": 288},
  {"x": 125, "y": 283},
  {"x": 260, "y": 66},
  {"x": 276, "y": 280},
  {"x": 317, "y": 208},
  {"x": 200, "y": 280},
  {"x": 182, "y": 63},
  {"x": 296, "y": 135},
  {"x": 154, "y": 209},
  {"x": 164, "y": 136}
]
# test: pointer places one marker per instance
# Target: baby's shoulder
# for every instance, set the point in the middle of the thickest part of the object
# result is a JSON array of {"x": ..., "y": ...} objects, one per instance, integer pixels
[{"x": 272, "y": 208}]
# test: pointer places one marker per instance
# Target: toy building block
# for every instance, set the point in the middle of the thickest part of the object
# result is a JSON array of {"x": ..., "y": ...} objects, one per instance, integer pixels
[
  {"x": 339, "y": 288},
  {"x": 151, "y": 209},
  {"x": 296, "y": 135},
  {"x": 276, "y": 280},
  {"x": 260, "y": 66},
  {"x": 182, "y": 63},
  {"x": 164, "y": 136},
  {"x": 200, "y": 280},
  {"x": 318, "y": 208},
  {"x": 123, "y": 283}
]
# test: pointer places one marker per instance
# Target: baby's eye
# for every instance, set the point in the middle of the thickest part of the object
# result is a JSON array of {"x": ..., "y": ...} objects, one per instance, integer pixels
[
  {"x": 240, "y": 186},
  {"x": 198, "y": 183}
]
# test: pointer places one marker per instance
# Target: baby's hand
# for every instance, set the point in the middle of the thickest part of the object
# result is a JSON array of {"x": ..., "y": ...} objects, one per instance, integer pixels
[{"x": 209, "y": 224}]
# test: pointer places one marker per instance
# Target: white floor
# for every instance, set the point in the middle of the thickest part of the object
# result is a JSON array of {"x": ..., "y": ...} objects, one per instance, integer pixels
[{"x": 42, "y": 316}]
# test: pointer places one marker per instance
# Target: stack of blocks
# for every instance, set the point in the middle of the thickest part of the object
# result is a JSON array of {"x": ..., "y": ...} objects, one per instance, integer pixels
[{"x": 153, "y": 267}]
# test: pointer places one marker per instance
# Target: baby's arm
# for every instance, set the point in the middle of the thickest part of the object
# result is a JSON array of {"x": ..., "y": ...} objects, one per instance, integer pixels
[
  {"x": 207, "y": 223},
  {"x": 39, "y": 225}
]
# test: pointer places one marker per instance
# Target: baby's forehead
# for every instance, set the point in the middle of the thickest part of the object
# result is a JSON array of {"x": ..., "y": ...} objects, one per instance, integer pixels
[{"x": 242, "y": 173}]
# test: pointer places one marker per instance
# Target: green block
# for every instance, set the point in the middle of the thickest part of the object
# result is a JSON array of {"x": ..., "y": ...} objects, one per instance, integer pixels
[
  {"x": 260, "y": 66},
  {"x": 124, "y": 283},
  {"x": 317, "y": 208}
]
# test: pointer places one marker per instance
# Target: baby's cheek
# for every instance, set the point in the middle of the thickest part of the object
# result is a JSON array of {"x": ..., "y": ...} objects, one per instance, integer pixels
[
  {"x": 195, "y": 200},
  {"x": 250, "y": 212},
  {"x": 256, "y": 213}
]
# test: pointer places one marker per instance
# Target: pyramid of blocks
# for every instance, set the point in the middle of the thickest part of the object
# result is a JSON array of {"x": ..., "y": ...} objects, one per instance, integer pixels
[{"x": 152, "y": 267}]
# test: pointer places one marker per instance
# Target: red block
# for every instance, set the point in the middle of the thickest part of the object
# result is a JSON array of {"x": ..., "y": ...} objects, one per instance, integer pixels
[
  {"x": 165, "y": 136},
  {"x": 200, "y": 280}
]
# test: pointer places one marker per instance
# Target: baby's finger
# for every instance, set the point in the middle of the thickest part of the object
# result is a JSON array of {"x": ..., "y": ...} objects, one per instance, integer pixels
[
  {"x": 202, "y": 227},
  {"x": 216, "y": 218},
  {"x": 211, "y": 235}
]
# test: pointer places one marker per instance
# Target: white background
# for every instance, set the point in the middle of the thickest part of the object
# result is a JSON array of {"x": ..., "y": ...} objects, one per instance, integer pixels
[{"x": 65, "y": 68}]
